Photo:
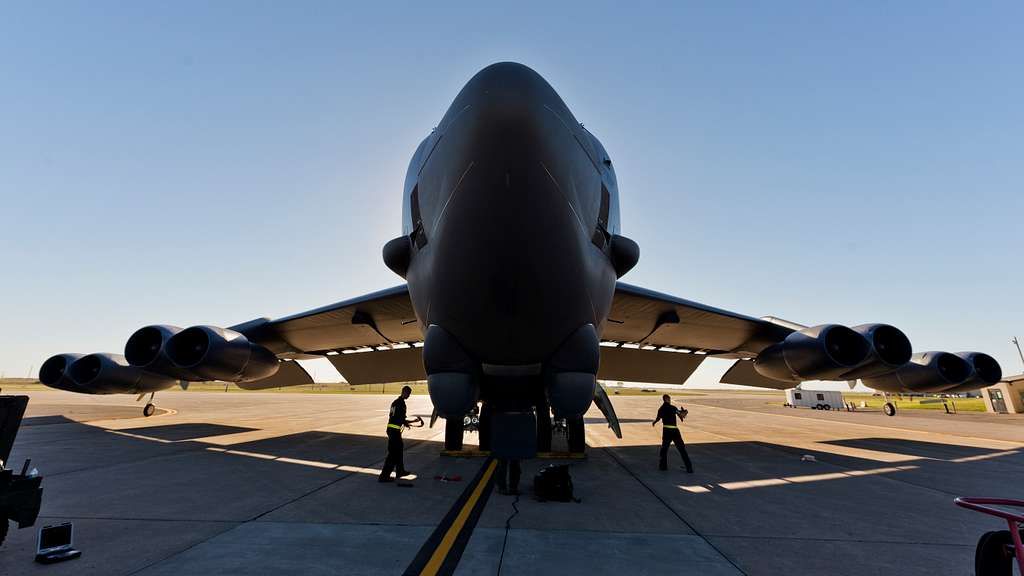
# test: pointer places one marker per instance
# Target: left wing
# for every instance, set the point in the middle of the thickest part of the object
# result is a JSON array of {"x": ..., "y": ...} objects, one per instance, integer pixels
[
  {"x": 370, "y": 339},
  {"x": 658, "y": 338},
  {"x": 651, "y": 318}
]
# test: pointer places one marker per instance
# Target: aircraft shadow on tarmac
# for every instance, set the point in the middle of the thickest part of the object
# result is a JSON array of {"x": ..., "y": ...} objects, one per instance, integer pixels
[
  {"x": 917, "y": 448},
  {"x": 766, "y": 484},
  {"x": 621, "y": 420},
  {"x": 176, "y": 432},
  {"x": 723, "y": 462}
]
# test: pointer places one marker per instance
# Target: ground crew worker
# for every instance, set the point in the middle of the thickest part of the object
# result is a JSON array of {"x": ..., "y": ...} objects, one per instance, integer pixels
[
  {"x": 396, "y": 421},
  {"x": 508, "y": 472},
  {"x": 670, "y": 433}
]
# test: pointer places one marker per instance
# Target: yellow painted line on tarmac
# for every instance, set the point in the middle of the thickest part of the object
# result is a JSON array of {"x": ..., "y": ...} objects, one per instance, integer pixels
[{"x": 441, "y": 552}]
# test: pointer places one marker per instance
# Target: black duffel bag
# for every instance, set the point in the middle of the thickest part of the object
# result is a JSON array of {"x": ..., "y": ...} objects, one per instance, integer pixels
[{"x": 554, "y": 483}]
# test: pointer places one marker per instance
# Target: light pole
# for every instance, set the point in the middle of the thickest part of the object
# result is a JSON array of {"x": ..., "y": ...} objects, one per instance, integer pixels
[{"x": 1017, "y": 344}]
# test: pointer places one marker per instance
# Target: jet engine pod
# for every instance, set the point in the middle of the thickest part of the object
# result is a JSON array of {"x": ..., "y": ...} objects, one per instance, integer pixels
[
  {"x": 111, "y": 374},
  {"x": 986, "y": 372},
  {"x": 214, "y": 353},
  {"x": 889, "y": 348},
  {"x": 145, "y": 349},
  {"x": 54, "y": 372},
  {"x": 926, "y": 372},
  {"x": 822, "y": 352}
]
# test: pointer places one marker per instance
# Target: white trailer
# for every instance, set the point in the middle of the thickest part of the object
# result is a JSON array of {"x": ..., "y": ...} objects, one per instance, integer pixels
[{"x": 817, "y": 399}]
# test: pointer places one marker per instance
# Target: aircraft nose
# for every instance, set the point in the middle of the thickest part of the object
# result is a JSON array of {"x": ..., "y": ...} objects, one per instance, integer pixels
[{"x": 506, "y": 93}]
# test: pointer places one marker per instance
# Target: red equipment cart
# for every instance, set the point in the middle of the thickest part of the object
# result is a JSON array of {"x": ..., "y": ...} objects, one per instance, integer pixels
[{"x": 996, "y": 550}]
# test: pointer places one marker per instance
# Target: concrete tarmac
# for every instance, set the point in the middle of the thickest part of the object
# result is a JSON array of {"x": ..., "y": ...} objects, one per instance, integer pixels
[{"x": 268, "y": 483}]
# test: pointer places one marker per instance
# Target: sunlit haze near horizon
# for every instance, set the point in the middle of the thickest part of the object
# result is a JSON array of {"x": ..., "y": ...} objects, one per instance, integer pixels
[{"x": 192, "y": 162}]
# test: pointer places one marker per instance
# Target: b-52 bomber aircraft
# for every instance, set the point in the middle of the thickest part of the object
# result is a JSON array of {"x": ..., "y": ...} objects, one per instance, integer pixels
[{"x": 511, "y": 250}]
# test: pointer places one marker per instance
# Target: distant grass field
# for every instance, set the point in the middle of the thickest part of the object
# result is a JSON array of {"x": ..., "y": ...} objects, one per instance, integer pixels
[
  {"x": 875, "y": 403},
  {"x": 420, "y": 388},
  {"x": 15, "y": 384},
  {"x": 616, "y": 391}
]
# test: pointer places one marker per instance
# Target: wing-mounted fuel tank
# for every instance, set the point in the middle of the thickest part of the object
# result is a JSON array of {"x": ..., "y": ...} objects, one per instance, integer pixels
[
  {"x": 214, "y": 353},
  {"x": 824, "y": 352},
  {"x": 927, "y": 372}
]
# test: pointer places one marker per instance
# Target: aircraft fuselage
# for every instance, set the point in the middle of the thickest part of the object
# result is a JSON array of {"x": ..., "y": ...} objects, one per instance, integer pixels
[{"x": 502, "y": 203}]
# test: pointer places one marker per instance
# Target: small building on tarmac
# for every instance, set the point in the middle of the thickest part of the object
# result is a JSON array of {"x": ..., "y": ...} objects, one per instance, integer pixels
[{"x": 1007, "y": 397}]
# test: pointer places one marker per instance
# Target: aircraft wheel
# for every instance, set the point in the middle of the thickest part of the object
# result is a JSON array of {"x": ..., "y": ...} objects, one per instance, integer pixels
[
  {"x": 991, "y": 557},
  {"x": 149, "y": 410},
  {"x": 889, "y": 408},
  {"x": 453, "y": 430},
  {"x": 576, "y": 435}
]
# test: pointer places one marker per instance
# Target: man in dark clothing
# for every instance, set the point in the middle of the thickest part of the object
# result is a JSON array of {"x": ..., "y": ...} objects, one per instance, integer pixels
[
  {"x": 396, "y": 421},
  {"x": 508, "y": 472},
  {"x": 670, "y": 432}
]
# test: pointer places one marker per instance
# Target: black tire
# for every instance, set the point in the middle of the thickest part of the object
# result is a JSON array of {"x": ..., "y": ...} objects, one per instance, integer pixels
[
  {"x": 149, "y": 410},
  {"x": 817, "y": 407},
  {"x": 991, "y": 557},
  {"x": 889, "y": 409},
  {"x": 576, "y": 436},
  {"x": 453, "y": 431},
  {"x": 828, "y": 406}
]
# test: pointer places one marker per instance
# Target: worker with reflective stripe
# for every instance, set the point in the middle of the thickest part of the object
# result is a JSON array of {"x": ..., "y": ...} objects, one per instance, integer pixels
[
  {"x": 396, "y": 421},
  {"x": 670, "y": 432}
]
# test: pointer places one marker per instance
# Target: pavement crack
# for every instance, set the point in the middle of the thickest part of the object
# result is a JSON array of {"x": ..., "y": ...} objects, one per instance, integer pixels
[
  {"x": 692, "y": 528},
  {"x": 508, "y": 528}
]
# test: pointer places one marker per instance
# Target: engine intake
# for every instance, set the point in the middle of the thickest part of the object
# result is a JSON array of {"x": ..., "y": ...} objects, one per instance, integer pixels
[
  {"x": 927, "y": 372},
  {"x": 985, "y": 372},
  {"x": 214, "y": 353},
  {"x": 146, "y": 349},
  {"x": 54, "y": 372},
  {"x": 111, "y": 374},
  {"x": 822, "y": 352},
  {"x": 889, "y": 348}
]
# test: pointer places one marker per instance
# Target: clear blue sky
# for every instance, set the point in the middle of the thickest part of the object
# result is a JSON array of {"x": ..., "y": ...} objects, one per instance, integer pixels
[{"x": 195, "y": 162}]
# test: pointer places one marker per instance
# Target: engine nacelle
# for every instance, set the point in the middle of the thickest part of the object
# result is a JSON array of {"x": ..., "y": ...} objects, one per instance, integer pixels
[
  {"x": 111, "y": 374},
  {"x": 985, "y": 372},
  {"x": 889, "y": 349},
  {"x": 927, "y": 372},
  {"x": 54, "y": 372},
  {"x": 214, "y": 353},
  {"x": 146, "y": 349},
  {"x": 823, "y": 352}
]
